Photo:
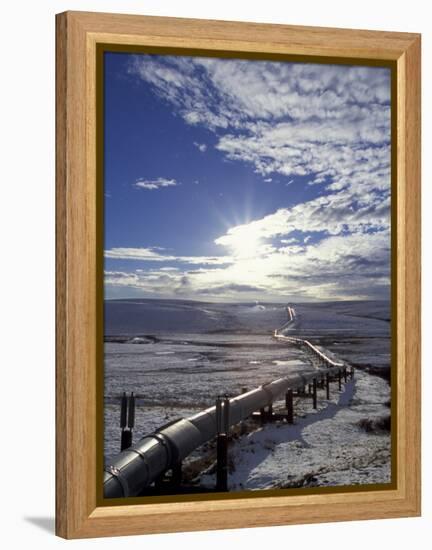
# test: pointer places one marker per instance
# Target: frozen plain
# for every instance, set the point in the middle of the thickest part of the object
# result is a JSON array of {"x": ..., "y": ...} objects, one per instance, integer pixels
[{"x": 177, "y": 356}]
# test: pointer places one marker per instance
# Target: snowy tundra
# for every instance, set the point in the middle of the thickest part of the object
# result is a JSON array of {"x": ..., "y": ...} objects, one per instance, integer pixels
[{"x": 178, "y": 356}]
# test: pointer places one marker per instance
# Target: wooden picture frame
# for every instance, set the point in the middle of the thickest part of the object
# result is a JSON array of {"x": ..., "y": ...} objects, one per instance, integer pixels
[{"x": 79, "y": 512}]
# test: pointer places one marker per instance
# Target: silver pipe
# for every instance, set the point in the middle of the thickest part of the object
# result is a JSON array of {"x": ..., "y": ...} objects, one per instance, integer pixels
[
  {"x": 136, "y": 468},
  {"x": 306, "y": 343}
]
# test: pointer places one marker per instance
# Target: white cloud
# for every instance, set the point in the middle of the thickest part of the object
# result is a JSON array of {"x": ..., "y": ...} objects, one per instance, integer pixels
[
  {"x": 329, "y": 124},
  {"x": 263, "y": 260},
  {"x": 350, "y": 267},
  {"x": 145, "y": 254},
  {"x": 201, "y": 146},
  {"x": 155, "y": 184},
  {"x": 333, "y": 214},
  {"x": 156, "y": 254},
  {"x": 287, "y": 118},
  {"x": 230, "y": 92}
]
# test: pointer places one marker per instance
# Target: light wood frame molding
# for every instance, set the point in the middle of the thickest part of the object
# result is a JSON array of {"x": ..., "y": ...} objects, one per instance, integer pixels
[{"x": 77, "y": 511}]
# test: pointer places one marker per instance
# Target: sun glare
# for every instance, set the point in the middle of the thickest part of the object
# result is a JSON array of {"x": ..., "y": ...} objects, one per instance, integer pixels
[{"x": 245, "y": 244}]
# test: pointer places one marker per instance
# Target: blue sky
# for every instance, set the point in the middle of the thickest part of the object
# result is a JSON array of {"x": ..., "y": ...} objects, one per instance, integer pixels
[{"x": 245, "y": 180}]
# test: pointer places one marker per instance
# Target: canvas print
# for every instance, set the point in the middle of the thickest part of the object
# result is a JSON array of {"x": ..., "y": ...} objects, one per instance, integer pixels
[{"x": 247, "y": 275}]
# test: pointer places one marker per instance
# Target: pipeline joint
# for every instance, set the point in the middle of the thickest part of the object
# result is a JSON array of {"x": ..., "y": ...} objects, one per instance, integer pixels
[{"x": 117, "y": 474}]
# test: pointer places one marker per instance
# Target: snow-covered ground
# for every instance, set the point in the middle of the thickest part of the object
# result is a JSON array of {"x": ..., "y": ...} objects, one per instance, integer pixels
[
  {"x": 358, "y": 332},
  {"x": 328, "y": 446},
  {"x": 178, "y": 356},
  {"x": 183, "y": 374}
]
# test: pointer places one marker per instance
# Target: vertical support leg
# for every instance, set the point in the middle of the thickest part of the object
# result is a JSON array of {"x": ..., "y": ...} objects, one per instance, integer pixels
[
  {"x": 314, "y": 394},
  {"x": 126, "y": 439},
  {"x": 222, "y": 463},
  {"x": 127, "y": 420},
  {"x": 340, "y": 379},
  {"x": 123, "y": 411},
  {"x": 327, "y": 384},
  {"x": 270, "y": 413},
  {"x": 177, "y": 474},
  {"x": 131, "y": 412},
  {"x": 289, "y": 406},
  {"x": 352, "y": 373},
  {"x": 159, "y": 482},
  {"x": 243, "y": 426},
  {"x": 131, "y": 417},
  {"x": 345, "y": 375},
  {"x": 222, "y": 426},
  {"x": 123, "y": 419}
]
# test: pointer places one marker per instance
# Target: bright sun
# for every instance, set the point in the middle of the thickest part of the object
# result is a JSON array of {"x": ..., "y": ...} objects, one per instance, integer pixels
[{"x": 245, "y": 244}]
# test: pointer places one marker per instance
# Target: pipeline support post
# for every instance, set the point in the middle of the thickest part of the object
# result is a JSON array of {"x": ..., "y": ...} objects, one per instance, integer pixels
[
  {"x": 196, "y": 430},
  {"x": 177, "y": 474},
  {"x": 340, "y": 379},
  {"x": 327, "y": 384},
  {"x": 127, "y": 420},
  {"x": 123, "y": 411},
  {"x": 270, "y": 412},
  {"x": 243, "y": 426},
  {"x": 222, "y": 426},
  {"x": 314, "y": 393},
  {"x": 289, "y": 406},
  {"x": 345, "y": 374}
]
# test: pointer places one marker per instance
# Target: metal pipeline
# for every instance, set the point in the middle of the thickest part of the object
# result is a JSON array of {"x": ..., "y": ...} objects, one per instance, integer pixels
[
  {"x": 299, "y": 341},
  {"x": 291, "y": 318},
  {"x": 136, "y": 468}
]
